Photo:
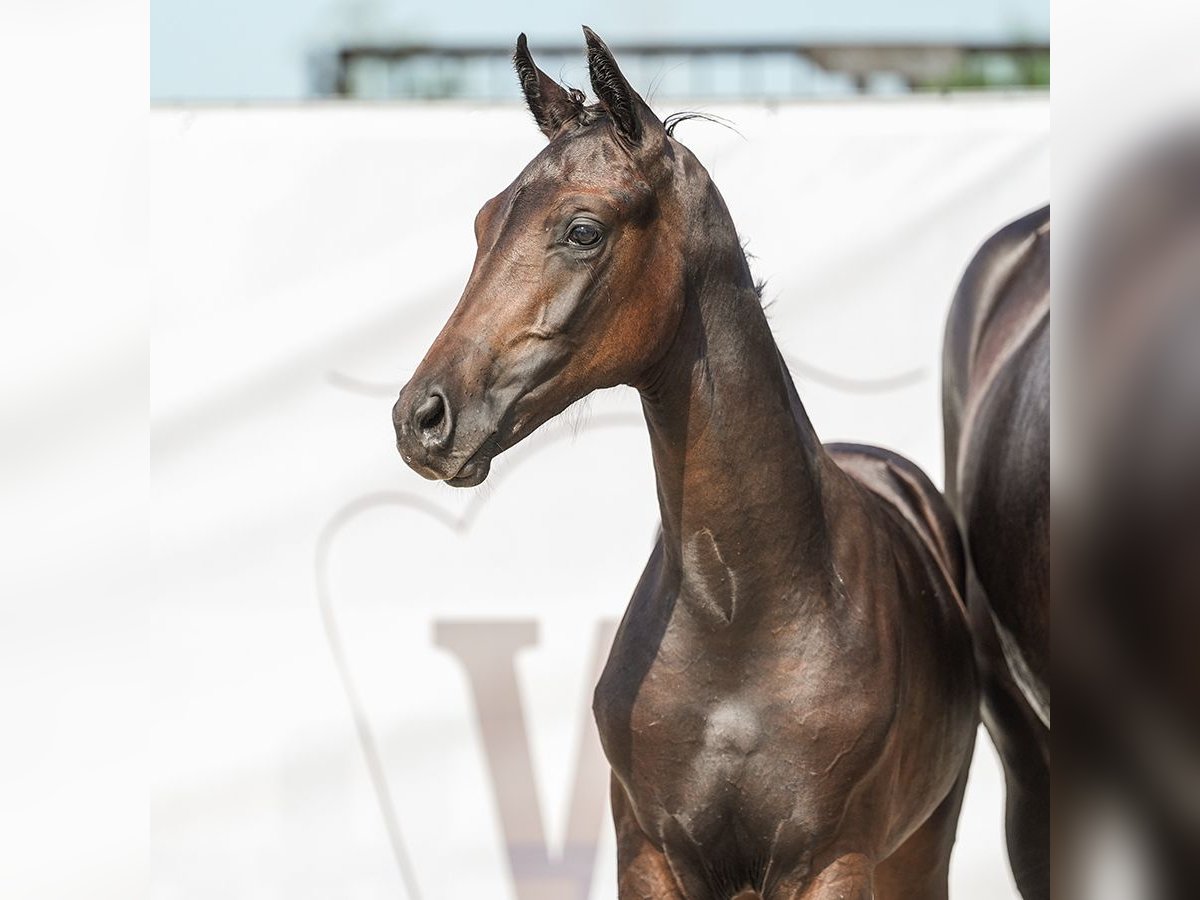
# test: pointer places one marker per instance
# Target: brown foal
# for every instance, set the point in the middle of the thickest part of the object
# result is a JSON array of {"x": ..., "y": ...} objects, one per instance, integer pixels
[{"x": 790, "y": 704}]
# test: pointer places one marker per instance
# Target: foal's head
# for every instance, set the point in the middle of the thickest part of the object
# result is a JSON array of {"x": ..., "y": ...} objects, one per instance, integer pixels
[{"x": 577, "y": 283}]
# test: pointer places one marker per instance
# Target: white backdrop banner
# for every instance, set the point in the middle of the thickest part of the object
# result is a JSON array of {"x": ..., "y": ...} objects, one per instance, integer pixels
[{"x": 372, "y": 686}]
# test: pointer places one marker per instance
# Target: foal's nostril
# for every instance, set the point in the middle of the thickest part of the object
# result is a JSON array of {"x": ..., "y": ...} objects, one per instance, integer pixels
[
  {"x": 433, "y": 422},
  {"x": 431, "y": 412}
]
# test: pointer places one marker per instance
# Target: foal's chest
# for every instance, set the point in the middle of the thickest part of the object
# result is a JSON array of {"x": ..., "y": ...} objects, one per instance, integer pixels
[{"x": 715, "y": 749}]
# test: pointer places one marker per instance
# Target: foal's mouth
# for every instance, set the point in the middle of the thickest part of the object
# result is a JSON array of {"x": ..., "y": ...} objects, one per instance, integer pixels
[
  {"x": 472, "y": 471},
  {"x": 477, "y": 466},
  {"x": 511, "y": 428},
  {"x": 475, "y": 470}
]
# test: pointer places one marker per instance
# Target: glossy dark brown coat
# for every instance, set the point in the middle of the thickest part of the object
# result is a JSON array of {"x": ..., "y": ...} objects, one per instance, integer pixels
[
  {"x": 790, "y": 704},
  {"x": 996, "y": 381}
]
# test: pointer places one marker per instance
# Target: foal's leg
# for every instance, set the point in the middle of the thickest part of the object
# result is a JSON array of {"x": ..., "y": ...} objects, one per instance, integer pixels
[
  {"x": 920, "y": 867},
  {"x": 642, "y": 869}
]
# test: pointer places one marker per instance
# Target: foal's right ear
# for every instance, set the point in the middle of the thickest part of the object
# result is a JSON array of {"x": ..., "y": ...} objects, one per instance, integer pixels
[{"x": 551, "y": 105}]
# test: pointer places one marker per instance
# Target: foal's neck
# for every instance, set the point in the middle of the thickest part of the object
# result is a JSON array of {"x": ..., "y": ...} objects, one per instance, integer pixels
[{"x": 738, "y": 465}]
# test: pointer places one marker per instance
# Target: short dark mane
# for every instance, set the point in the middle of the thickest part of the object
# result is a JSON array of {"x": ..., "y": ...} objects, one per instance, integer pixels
[{"x": 589, "y": 113}]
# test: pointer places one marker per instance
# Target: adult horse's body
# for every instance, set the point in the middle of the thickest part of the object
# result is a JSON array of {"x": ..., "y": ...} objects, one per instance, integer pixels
[
  {"x": 790, "y": 704},
  {"x": 996, "y": 382}
]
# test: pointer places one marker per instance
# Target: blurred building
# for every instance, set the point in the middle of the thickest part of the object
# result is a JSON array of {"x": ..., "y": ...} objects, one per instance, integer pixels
[{"x": 727, "y": 70}]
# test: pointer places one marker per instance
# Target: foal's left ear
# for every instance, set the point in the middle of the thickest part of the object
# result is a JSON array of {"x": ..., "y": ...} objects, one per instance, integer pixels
[{"x": 619, "y": 100}]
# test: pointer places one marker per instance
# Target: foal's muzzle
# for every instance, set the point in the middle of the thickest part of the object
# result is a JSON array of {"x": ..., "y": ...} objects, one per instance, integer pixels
[{"x": 425, "y": 421}]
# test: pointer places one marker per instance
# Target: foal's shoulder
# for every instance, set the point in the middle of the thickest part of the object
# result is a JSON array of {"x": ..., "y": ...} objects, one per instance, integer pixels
[{"x": 902, "y": 485}]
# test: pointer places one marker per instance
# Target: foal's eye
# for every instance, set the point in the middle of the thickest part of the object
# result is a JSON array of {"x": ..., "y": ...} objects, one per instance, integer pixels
[{"x": 584, "y": 234}]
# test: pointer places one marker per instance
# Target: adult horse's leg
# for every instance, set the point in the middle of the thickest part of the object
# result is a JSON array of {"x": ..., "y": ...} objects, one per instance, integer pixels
[
  {"x": 1027, "y": 821},
  {"x": 642, "y": 869},
  {"x": 1022, "y": 742},
  {"x": 920, "y": 867}
]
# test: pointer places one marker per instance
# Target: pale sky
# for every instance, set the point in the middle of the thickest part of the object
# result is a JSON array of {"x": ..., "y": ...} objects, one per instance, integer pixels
[{"x": 259, "y": 49}]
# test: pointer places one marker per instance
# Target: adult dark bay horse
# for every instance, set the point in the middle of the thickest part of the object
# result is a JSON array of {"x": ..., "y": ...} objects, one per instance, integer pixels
[
  {"x": 790, "y": 704},
  {"x": 996, "y": 403}
]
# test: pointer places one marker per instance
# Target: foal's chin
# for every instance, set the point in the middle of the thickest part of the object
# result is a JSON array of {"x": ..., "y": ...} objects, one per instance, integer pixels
[{"x": 471, "y": 474}]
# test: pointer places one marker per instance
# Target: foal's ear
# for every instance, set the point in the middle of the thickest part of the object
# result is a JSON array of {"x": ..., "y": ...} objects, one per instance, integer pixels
[
  {"x": 616, "y": 96},
  {"x": 550, "y": 104}
]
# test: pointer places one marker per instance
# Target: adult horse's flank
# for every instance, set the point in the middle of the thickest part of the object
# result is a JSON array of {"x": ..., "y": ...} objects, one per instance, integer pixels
[
  {"x": 996, "y": 403},
  {"x": 790, "y": 704}
]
